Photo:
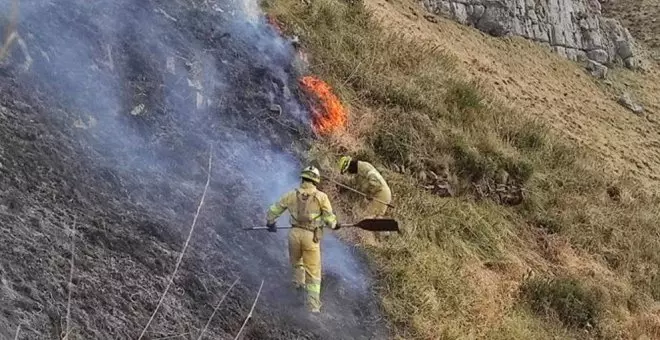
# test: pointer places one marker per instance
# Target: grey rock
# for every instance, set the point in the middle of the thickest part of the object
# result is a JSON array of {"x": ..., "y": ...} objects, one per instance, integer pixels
[
  {"x": 631, "y": 63},
  {"x": 597, "y": 69},
  {"x": 626, "y": 101},
  {"x": 575, "y": 54},
  {"x": 460, "y": 12},
  {"x": 478, "y": 11},
  {"x": 495, "y": 21},
  {"x": 560, "y": 50},
  {"x": 470, "y": 10},
  {"x": 599, "y": 55},
  {"x": 581, "y": 56},
  {"x": 624, "y": 49},
  {"x": 572, "y": 27}
]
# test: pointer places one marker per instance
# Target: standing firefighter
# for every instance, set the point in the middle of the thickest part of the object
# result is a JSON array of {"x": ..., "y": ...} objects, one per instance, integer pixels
[
  {"x": 310, "y": 211},
  {"x": 369, "y": 181}
]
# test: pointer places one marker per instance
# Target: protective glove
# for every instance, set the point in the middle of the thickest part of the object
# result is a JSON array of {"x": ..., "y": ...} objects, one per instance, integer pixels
[{"x": 272, "y": 227}]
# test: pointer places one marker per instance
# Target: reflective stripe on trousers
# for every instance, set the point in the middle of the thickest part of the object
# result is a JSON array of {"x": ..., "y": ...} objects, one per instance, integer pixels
[{"x": 305, "y": 257}]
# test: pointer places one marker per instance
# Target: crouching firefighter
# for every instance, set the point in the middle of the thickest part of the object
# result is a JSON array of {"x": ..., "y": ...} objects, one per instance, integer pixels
[
  {"x": 310, "y": 212},
  {"x": 369, "y": 181}
]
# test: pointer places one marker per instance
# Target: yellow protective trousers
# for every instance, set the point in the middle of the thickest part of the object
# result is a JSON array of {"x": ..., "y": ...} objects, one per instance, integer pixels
[
  {"x": 305, "y": 257},
  {"x": 375, "y": 209}
]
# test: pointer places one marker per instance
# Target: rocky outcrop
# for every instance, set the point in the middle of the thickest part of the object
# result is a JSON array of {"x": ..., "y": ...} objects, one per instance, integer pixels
[
  {"x": 572, "y": 28},
  {"x": 626, "y": 101},
  {"x": 597, "y": 69}
]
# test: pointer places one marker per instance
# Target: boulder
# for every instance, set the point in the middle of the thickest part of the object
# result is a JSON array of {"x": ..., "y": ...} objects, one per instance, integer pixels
[
  {"x": 597, "y": 69},
  {"x": 624, "y": 49},
  {"x": 626, "y": 101},
  {"x": 631, "y": 63},
  {"x": 599, "y": 56},
  {"x": 495, "y": 21}
]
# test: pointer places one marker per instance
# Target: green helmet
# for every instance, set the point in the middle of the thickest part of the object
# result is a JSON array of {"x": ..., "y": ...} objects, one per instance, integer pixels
[
  {"x": 343, "y": 163},
  {"x": 311, "y": 173}
]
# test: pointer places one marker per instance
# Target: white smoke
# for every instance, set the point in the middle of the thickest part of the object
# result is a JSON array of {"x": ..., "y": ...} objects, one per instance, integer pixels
[{"x": 151, "y": 95}]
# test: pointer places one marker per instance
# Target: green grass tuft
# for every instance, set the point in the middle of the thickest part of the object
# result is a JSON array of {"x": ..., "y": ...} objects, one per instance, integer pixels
[{"x": 564, "y": 298}]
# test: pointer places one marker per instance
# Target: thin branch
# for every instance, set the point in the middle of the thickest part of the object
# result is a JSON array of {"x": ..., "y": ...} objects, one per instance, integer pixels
[
  {"x": 216, "y": 309},
  {"x": 251, "y": 310},
  {"x": 183, "y": 251},
  {"x": 70, "y": 285},
  {"x": 18, "y": 331}
]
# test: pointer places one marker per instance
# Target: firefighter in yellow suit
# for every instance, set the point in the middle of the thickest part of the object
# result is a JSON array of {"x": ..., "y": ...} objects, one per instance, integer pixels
[
  {"x": 369, "y": 181},
  {"x": 310, "y": 211}
]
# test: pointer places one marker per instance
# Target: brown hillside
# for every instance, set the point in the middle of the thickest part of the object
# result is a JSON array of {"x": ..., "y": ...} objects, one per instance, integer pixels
[{"x": 554, "y": 90}]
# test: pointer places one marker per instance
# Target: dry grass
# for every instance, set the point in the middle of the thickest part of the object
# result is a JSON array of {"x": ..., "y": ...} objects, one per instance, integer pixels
[{"x": 458, "y": 270}]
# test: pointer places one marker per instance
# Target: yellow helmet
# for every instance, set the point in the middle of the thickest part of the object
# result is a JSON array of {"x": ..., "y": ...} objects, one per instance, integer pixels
[
  {"x": 344, "y": 161},
  {"x": 311, "y": 173}
]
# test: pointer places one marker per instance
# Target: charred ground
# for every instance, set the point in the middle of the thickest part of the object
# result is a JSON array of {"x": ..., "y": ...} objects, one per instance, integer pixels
[{"x": 106, "y": 128}]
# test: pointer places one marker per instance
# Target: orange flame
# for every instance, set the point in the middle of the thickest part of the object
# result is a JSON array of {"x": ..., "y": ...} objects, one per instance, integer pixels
[{"x": 329, "y": 114}]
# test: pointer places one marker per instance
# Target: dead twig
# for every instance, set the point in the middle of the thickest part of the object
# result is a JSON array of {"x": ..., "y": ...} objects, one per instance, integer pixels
[
  {"x": 251, "y": 310},
  {"x": 70, "y": 284},
  {"x": 18, "y": 331},
  {"x": 216, "y": 309},
  {"x": 183, "y": 251}
]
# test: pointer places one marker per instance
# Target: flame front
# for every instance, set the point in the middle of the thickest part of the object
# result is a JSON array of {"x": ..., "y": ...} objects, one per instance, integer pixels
[{"x": 329, "y": 114}]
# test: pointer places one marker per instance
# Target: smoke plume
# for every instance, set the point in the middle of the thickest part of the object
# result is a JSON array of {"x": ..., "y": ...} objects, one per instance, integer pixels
[{"x": 152, "y": 86}]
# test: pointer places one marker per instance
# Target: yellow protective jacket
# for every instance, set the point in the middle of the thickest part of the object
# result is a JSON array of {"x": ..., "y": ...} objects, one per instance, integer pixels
[
  {"x": 319, "y": 209},
  {"x": 369, "y": 180}
]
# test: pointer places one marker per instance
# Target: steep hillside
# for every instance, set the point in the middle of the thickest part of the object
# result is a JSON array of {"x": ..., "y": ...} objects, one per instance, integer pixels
[
  {"x": 112, "y": 113},
  {"x": 641, "y": 17},
  {"x": 551, "y": 232},
  {"x": 557, "y": 92},
  {"x": 527, "y": 195}
]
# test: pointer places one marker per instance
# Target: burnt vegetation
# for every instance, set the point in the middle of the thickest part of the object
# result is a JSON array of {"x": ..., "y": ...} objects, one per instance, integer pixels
[{"x": 109, "y": 130}]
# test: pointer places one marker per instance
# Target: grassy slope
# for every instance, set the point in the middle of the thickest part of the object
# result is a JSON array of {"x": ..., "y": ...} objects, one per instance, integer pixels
[{"x": 570, "y": 261}]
